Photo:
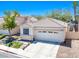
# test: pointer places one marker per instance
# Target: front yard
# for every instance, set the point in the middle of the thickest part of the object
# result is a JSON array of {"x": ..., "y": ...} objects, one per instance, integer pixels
[
  {"x": 14, "y": 42},
  {"x": 68, "y": 49}
]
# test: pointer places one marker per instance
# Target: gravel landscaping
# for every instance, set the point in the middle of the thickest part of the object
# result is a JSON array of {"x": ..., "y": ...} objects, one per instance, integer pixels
[{"x": 69, "y": 49}]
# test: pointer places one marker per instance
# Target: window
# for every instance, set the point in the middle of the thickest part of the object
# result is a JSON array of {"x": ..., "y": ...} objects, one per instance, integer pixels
[
  {"x": 50, "y": 31},
  {"x": 44, "y": 31},
  {"x": 55, "y": 32},
  {"x": 39, "y": 31},
  {"x": 26, "y": 31}
]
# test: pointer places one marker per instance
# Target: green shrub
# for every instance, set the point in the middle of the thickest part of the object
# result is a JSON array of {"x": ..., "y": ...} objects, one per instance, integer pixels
[
  {"x": 9, "y": 44},
  {"x": 2, "y": 36},
  {"x": 14, "y": 44}
]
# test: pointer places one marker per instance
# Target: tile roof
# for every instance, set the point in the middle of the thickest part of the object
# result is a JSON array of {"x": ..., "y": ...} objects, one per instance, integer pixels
[{"x": 49, "y": 22}]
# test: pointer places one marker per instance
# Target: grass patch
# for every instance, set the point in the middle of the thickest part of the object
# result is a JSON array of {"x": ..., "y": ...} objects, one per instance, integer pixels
[
  {"x": 16, "y": 37},
  {"x": 2, "y": 36},
  {"x": 14, "y": 44}
]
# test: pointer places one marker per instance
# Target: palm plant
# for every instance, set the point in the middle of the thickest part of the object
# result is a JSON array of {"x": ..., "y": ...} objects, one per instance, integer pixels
[{"x": 75, "y": 4}]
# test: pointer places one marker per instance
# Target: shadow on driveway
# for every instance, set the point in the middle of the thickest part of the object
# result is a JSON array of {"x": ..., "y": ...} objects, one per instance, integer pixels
[
  {"x": 67, "y": 43},
  {"x": 47, "y": 42}
]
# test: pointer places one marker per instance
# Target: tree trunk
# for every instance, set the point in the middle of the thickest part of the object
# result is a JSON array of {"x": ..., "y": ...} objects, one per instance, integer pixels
[
  {"x": 75, "y": 13},
  {"x": 76, "y": 26},
  {"x": 9, "y": 33}
]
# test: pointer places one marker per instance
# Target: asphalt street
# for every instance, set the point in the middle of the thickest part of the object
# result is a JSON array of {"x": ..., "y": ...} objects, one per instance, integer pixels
[{"x": 4, "y": 54}]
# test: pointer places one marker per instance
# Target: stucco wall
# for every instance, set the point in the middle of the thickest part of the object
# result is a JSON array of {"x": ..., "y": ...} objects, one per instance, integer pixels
[
  {"x": 15, "y": 30},
  {"x": 26, "y": 27},
  {"x": 72, "y": 35},
  {"x": 27, "y": 37}
]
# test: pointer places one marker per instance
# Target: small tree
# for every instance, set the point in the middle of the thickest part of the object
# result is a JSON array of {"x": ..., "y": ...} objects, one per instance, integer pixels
[
  {"x": 9, "y": 21},
  {"x": 15, "y": 13},
  {"x": 62, "y": 15},
  {"x": 55, "y": 14},
  {"x": 39, "y": 17}
]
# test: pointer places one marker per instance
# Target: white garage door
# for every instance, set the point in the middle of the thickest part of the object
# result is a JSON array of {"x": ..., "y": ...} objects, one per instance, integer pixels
[{"x": 55, "y": 36}]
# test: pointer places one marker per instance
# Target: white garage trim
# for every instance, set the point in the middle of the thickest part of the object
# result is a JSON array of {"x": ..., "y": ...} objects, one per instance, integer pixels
[{"x": 49, "y": 35}]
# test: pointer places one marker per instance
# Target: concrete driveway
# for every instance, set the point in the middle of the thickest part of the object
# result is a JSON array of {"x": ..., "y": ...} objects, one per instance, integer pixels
[{"x": 40, "y": 50}]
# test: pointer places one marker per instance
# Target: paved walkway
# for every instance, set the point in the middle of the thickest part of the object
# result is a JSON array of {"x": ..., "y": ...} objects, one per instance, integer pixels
[{"x": 39, "y": 50}]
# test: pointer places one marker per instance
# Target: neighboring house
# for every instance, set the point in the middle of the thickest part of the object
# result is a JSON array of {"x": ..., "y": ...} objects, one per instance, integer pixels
[
  {"x": 46, "y": 29},
  {"x": 19, "y": 21}
]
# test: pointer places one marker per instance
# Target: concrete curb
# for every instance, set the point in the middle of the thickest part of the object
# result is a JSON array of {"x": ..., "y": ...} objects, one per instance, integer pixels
[{"x": 19, "y": 52}]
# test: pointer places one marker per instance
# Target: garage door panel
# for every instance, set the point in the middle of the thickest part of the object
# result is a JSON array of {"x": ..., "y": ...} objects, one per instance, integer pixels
[{"x": 56, "y": 36}]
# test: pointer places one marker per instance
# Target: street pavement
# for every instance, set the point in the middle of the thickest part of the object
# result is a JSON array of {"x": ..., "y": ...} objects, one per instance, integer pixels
[{"x": 4, "y": 54}]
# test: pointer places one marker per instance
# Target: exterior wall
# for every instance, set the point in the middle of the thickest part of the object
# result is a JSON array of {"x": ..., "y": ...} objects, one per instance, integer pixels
[
  {"x": 72, "y": 35},
  {"x": 33, "y": 31},
  {"x": 28, "y": 37},
  {"x": 20, "y": 20},
  {"x": 27, "y": 27},
  {"x": 15, "y": 30}
]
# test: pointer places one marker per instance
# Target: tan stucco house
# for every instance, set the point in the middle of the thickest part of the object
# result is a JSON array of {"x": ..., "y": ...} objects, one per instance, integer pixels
[
  {"x": 46, "y": 29},
  {"x": 20, "y": 20}
]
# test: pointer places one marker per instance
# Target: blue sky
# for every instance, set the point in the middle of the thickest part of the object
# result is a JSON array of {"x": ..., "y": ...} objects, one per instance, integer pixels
[{"x": 34, "y": 7}]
